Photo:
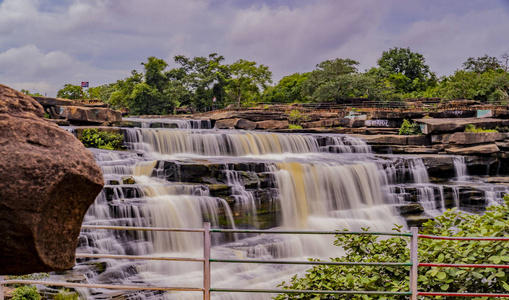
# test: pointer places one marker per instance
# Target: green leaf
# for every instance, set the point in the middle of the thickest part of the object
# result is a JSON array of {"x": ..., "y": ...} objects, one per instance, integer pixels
[
  {"x": 444, "y": 287},
  {"x": 441, "y": 275}
]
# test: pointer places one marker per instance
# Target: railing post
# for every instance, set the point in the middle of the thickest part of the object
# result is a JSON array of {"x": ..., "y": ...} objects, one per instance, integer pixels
[
  {"x": 206, "y": 263},
  {"x": 2, "y": 287},
  {"x": 414, "y": 259}
]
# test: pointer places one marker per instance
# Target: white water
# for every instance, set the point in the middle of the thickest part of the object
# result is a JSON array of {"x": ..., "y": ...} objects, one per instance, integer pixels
[
  {"x": 348, "y": 188},
  {"x": 460, "y": 168}
]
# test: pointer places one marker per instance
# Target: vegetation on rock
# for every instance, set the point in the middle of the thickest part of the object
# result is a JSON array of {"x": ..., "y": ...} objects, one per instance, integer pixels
[
  {"x": 368, "y": 248},
  {"x": 27, "y": 292},
  {"x": 409, "y": 128},
  {"x": 472, "y": 128},
  {"x": 93, "y": 138}
]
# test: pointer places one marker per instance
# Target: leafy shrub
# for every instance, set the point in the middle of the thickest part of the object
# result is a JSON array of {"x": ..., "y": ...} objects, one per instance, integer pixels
[
  {"x": 27, "y": 292},
  {"x": 65, "y": 294},
  {"x": 296, "y": 117},
  {"x": 409, "y": 128},
  {"x": 293, "y": 126},
  {"x": 367, "y": 248},
  {"x": 101, "y": 139},
  {"x": 472, "y": 128}
]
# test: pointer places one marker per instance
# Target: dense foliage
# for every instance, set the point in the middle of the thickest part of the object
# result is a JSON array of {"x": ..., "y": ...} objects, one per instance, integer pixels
[
  {"x": 203, "y": 83},
  {"x": 367, "y": 248},
  {"x": 409, "y": 128},
  {"x": 27, "y": 292},
  {"x": 101, "y": 139}
]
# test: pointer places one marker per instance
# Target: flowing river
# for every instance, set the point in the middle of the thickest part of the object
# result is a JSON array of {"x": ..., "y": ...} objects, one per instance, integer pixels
[{"x": 188, "y": 174}]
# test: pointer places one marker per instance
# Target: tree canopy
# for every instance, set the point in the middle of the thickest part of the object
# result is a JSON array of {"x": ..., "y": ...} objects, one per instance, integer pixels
[{"x": 203, "y": 82}]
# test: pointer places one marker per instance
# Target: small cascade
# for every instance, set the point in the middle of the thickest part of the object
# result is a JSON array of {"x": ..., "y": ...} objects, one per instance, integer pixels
[
  {"x": 460, "y": 168},
  {"x": 237, "y": 143},
  {"x": 344, "y": 194},
  {"x": 456, "y": 196},
  {"x": 169, "y": 123}
]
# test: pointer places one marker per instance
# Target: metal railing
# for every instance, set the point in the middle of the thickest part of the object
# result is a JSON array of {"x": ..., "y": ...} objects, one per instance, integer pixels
[{"x": 207, "y": 260}]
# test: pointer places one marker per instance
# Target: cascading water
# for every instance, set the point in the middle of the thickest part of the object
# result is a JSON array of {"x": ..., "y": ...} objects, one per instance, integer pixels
[
  {"x": 460, "y": 168},
  {"x": 313, "y": 182}
]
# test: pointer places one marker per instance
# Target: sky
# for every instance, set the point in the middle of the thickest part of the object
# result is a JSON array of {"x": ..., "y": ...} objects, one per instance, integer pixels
[{"x": 45, "y": 44}]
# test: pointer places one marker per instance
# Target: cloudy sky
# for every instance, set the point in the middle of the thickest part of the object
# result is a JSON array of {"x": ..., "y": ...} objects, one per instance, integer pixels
[{"x": 45, "y": 44}]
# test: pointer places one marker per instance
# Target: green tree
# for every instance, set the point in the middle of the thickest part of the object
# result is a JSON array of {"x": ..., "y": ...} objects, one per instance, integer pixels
[
  {"x": 144, "y": 93},
  {"x": 123, "y": 89},
  {"x": 324, "y": 82},
  {"x": 367, "y": 248},
  {"x": 27, "y": 92},
  {"x": 70, "y": 91},
  {"x": 407, "y": 70},
  {"x": 489, "y": 86},
  {"x": 288, "y": 89},
  {"x": 246, "y": 80},
  {"x": 482, "y": 64},
  {"x": 199, "y": 80}
]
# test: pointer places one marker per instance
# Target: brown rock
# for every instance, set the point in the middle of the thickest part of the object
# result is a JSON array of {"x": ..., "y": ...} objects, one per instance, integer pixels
[
  {"x": 322, "y": 123},
  {"x": 246, "y": 124},
  {"x": 470, "y": 138},
  {"x": 16, "y": 103},
  {"x": 272, "y": 124},
  {"x": 475, "y": 150},
  {"x": 458, "y": 124},
  {"x": 226, "y": 124},
  {"x": 47, "y": 182},
  {"x": 90, "y": 115}
]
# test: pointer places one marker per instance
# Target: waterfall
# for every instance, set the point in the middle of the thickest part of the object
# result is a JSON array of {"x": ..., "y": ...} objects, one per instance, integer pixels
[
  {"x": 314, "y": 182},
  {"x": 170, "y": 123},
  {"x": 460, "y": 168},
  {"x": 237, "y": 143}
]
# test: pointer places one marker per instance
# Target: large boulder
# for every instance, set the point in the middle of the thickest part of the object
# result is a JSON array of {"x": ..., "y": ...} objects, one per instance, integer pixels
[{"x": 48, "y": 179}]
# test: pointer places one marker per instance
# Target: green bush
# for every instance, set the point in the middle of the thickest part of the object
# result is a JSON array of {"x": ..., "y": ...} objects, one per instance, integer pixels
[
  {"x": 101, "y": 139},
  {"x": 293, "y": 126},
  {"x": 65, "y": 294},
  {"x": 27, "y": 292},
  {"x": 367, "y": 248},
  {"x": 472, "y": 128},
  {"x": 296, "y": 117},
  {"x": 409, "y": 128}
]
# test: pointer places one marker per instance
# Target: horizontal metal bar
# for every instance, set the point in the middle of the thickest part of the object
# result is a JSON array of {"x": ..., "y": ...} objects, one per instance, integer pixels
[
  {"x": 289, "y": 262},
  {"x": 84, "y": 255},
  {"x": 307, "y": 232},
  {"x": 142, "y": 228},
  {"x": 463, "y": 294},
  {"x": 309, "y": 292},
  {"x": 105, "y": 286},
  {"x": 463, "y": 238},
  {"x": 463, "y": 266}
]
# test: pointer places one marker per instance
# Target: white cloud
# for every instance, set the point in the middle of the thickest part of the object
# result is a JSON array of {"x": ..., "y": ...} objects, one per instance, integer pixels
[
  {"x": 298, "y": 38},
  {"x": 64, "y": 41}
]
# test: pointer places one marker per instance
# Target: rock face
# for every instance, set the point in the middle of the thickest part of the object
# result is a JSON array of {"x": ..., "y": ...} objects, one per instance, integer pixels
[
  {"x": 78, "y": 112},
  {"x": 47, "y": 182},
  {"x": 90, "y": 115}
]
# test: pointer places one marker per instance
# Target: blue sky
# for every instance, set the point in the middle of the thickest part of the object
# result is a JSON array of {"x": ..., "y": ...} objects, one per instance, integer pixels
[{"x": 45, "y": 44}]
